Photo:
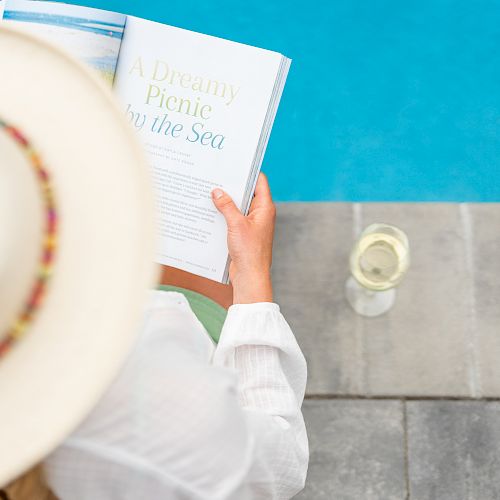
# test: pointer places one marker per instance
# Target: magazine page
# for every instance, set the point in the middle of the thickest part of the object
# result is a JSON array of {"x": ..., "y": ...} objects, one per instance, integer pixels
[
  {"x": 199, "y": 104},
  {"x": 91, "y": 35}
]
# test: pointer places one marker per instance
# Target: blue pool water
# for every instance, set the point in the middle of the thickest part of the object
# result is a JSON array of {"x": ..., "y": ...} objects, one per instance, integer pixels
[{"x": 387, "y": 100}]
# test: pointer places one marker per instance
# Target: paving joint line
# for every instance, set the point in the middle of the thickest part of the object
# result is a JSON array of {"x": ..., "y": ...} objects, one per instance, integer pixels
[
  {"x": 399, "y": 398},
  {"x": 406, "y": 449},
  {"x": 471, "y": 340}
]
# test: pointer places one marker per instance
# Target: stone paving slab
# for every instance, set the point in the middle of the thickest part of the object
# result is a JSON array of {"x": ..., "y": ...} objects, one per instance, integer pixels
[
  {"x": 420, "y": 347},
  {"x": 440, "y": 339},
  {"x": 311, "y": 249},
  {"x": 454, "y": 450},
  {"x": 485, "y": 230},
  {"x": 356, "y": 450}
]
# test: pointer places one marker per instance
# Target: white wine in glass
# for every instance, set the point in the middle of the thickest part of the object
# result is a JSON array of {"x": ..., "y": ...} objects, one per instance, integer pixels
[{"x": 378, "y": 263}]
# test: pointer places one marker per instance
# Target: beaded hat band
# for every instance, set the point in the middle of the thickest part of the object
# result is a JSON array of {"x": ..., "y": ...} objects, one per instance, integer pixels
[{"x": 46, "y": 260}]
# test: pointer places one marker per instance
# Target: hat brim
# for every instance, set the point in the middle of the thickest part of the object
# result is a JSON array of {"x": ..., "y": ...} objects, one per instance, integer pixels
[{"x": 54, "y": 375}]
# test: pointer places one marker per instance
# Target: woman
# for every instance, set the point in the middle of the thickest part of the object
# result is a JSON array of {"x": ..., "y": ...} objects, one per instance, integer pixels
[{"x": 186, "y": 419}]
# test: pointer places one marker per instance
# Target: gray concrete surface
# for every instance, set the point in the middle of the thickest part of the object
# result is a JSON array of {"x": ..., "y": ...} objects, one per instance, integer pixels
[
  {"x": 396, "y": 405},
  {"x": 357, "y": 450},
  {"x": 440, "y": 339},
  {"x": 485, "y": 255},
  {"x": 454, "y": 450},
  {"x": 309, "y": 267}
]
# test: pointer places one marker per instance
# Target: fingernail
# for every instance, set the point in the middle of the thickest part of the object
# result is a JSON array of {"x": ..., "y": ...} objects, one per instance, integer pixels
[{"x": 217, "y": 193}]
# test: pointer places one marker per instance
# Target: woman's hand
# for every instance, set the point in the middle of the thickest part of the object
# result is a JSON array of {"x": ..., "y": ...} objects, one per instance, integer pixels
[{"x": 250, "y": 242}]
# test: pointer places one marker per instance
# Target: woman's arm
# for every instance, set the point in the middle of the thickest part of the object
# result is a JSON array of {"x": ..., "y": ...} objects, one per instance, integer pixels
[{"x": 258, "y": 344}]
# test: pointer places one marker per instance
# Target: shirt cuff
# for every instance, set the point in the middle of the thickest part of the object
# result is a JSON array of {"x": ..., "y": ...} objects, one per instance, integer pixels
[
  {"x": 260, "y": 323},
  {"x": 254, "y": 307}
]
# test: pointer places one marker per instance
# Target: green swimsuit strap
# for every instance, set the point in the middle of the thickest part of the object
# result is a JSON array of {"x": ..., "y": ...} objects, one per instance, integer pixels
[{"x": 210, "y": 314}]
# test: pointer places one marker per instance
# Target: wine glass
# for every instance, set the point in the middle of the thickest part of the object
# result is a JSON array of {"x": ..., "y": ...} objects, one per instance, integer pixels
[{"x": 378, "y": 263}]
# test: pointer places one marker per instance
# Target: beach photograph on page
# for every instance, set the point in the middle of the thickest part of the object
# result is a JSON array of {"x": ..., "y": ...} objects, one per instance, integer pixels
[{"x": 91, "y": 35}]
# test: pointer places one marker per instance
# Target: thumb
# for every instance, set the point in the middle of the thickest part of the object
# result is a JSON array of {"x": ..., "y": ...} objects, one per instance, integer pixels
[{"x": 226, "y": 206}]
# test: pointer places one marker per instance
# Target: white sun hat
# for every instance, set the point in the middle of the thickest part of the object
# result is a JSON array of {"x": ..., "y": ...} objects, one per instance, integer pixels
[{"x": 76, "y": 245}]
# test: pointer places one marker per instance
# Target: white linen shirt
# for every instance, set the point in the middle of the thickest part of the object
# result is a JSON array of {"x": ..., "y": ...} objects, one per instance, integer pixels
[{"x": 186, "y": 419}]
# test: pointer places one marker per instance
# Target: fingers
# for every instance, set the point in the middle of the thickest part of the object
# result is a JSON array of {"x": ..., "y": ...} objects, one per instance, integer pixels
[
  {"x": 226, "y": 206},
  {"x": 262, "y": 202},
  {"x": 262, "y": 196}
]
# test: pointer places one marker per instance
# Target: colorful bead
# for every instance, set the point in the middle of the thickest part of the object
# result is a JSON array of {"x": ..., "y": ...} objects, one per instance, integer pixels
[
  {"x": 25, "y": 317},
  {"x": 50, "y": 242}
]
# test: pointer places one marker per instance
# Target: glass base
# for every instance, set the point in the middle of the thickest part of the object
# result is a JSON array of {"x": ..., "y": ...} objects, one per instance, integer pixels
[{"x": 368, "y": 302}]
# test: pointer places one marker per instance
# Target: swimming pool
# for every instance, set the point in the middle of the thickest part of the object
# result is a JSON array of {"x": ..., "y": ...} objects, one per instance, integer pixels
[{"x": 388, "y": 100}]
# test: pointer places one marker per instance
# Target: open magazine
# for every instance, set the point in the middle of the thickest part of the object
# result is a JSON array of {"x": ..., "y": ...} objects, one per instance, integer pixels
[{"x": 203, "y": 108}]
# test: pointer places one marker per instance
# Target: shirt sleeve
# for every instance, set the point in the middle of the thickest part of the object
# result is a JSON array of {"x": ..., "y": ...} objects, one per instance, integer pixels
[{"x": 257, "y": 343}]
